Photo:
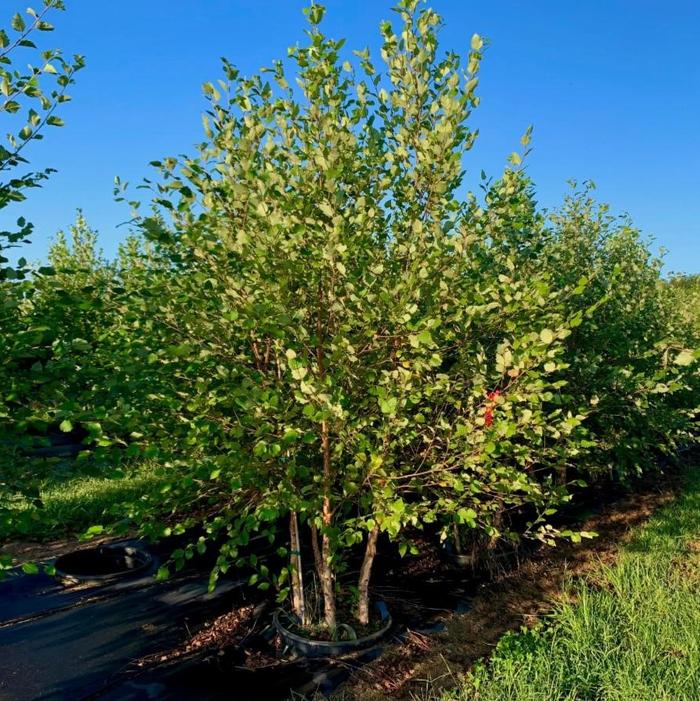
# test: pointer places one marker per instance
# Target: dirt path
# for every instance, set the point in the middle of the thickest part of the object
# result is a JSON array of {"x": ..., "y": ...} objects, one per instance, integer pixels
[{"x": 513, "y": 599}]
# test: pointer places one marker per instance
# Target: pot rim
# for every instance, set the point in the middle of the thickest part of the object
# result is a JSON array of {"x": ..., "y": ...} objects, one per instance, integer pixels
[
  {"x": 145, "y": 560},
  {"x": 331, "y": 644}
]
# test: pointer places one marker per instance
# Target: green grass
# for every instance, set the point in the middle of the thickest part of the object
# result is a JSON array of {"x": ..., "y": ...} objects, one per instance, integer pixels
[
  {"x": 72, "y": 499},
  {"x": 633, "y": 634}
]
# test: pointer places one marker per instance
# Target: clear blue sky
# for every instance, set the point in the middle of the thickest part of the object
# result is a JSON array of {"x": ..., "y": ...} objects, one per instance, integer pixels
[{"x": 611, "y": 86}]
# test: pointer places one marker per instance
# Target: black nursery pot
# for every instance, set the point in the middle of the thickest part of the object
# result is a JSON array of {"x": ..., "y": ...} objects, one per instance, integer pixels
[
  {"x": 102, "y": 564},
  {"x": 308, "y": 647}
]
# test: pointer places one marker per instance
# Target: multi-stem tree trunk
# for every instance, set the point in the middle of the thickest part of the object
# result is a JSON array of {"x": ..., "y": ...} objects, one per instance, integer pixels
[
  {"x": 324, "y": 564},
  {"x": 365, "y": 573},
  {"x": 325, "y": 573},
  {"x": 297, "y": 576}
]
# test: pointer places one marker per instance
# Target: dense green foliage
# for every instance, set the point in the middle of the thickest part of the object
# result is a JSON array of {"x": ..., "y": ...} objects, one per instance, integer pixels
[
  {"x": 318, "y": 330},
  {"x": 684, "y": 291},
  {"x": 631, "y": 354},
  {"x": 631, "y": 635},
  {"x": 69, "y": 320},
  {"x": 29, "y": 98}
]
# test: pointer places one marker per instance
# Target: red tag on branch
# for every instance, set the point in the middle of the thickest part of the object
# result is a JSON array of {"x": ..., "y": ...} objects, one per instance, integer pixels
[{"x": 488, "y": 414}]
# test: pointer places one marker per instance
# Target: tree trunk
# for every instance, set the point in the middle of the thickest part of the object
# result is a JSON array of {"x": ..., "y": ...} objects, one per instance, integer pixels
[
  {"x": 297, "y": 576},
  {"x": 457, "y": 539},
  {"x": 326, "y": 571},
  {"x": 316, "y": 548},
  {"x": 365, "y": 573},
  {"x": 561, "y": 475}
]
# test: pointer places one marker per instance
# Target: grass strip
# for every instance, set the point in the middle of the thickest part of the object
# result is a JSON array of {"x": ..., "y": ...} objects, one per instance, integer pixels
[
  {"x": 73, "y": 500},
  {"x": 632, "y": 633}
]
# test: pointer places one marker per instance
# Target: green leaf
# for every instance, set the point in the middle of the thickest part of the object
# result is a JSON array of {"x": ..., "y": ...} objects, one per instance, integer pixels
[
  {"x": 18, "y": 23},
  {"x": 425, "y": 338},
  {"x": 546, "y": 336},
  {"x": 388, "y": 406},
  {"x": 315, "y": 13},
  {"x": 467, "y": 516},
  {"x": 684, "y": 358}
]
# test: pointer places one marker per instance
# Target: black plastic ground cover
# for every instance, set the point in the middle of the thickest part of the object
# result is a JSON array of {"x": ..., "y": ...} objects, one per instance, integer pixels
[
  {"x": 25, "y": 597},
  {"x": 60, "y": 642},
  {"x": 223, "y": 677},
  {"x": 81, "y": 643},
  {"x": 74, "y": 653},
  {"x": 212, "y": 675}
]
